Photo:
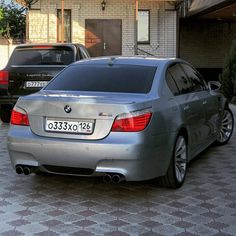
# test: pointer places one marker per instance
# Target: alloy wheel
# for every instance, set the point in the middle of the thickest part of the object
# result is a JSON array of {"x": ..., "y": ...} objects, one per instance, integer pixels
[
  {"x": 180, "y": 159},
  {"x": 226, "y": 127}
]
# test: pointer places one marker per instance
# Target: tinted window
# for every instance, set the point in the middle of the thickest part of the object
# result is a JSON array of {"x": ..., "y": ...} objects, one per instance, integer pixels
[
  {"x": 184, "y": 84},
  {"x": 171, "y": 83},
  {"x": 42, "y": 56},
  {"x": 197, "y": 81},
  {"x": 105, "y": 78}
]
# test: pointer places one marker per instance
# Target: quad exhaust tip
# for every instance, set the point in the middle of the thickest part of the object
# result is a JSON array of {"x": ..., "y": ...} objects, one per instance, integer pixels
[
  {"x": 23, "y": 169},
  {"x": 113, "y": 178},
  {"x": 107, "y": 178},
  {"x": 27, "y": 170},
  {"x": 19, "y": 170}
]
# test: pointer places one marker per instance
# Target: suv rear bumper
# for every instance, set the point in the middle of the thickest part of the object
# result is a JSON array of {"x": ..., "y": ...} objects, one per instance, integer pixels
[{"x": 8, "y": 101}]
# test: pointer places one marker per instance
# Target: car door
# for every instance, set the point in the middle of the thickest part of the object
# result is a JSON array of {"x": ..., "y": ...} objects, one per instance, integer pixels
[
  {"x": 210, "y": 103},
  {"x": 188, "y": 100}
]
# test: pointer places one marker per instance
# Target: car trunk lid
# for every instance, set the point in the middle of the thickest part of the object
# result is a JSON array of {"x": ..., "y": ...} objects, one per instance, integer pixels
[{"x": 97, "y": 111}]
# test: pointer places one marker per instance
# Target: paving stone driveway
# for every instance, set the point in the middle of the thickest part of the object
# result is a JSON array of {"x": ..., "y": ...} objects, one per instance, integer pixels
[{"x": 58, "y": 205}]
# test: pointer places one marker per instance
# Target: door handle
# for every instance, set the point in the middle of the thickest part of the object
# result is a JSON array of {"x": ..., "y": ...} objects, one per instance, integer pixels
[
  {"x": 104, "y": 46},
  {"x": 204, "y": 102}
]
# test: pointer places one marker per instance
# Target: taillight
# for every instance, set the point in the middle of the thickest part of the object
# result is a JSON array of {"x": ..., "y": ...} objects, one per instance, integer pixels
[
  {"x": 4, "y": 75},
  {"x": 132, "y": 122},
  {"x": 19, "y": 118},
  {"x": 43, "y": 47}
]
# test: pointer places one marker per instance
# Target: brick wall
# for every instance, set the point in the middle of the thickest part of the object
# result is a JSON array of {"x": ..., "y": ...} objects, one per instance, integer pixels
[
  {"x": 205, "y": 44},
  {"x": 43, "y": 22}
]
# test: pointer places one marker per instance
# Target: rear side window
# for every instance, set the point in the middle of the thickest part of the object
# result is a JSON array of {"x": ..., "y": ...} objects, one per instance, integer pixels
[
  {"x": 171, "y": 83},
  {"x": 42, "y": 55},
  {"x": 105, "y": 78},
  {"x": 183, "y": 83},
  {"x": 197, "y": 81}
]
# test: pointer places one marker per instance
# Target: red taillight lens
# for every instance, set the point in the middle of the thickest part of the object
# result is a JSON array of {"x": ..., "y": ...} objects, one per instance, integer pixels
[
  {"x": 43, "y": 47},
  {"x": 4, "y": 77},
  {"x": 18, "y": 118},
  {"x": 132, "y": 122}
]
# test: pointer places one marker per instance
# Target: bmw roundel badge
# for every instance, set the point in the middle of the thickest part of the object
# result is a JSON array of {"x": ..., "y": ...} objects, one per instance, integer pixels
[{"x": 67, "y": 109}]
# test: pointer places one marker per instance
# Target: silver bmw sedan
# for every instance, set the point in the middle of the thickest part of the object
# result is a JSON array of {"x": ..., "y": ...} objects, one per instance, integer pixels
[{"x": 123, "y": 118}]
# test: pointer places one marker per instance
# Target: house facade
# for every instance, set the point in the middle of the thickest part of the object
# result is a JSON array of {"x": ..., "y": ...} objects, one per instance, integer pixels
[{"x": 108, "y": 27}]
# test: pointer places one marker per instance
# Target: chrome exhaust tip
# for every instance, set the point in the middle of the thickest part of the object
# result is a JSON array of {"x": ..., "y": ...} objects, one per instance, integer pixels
[
  {"x": 19, "y": 170},
  {"x": 107, "y": 178},
  {"x": 116, "y": 178},
  {"x": 27, "y": 170}
]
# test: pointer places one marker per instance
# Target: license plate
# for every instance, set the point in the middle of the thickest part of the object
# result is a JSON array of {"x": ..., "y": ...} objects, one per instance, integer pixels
[
  {"x": 35, "y": 84},
  {"x": 79, "y": 127}
]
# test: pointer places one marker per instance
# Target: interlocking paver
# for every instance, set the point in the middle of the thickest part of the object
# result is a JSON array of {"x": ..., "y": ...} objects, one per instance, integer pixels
[
  {"x": 168, "y": 230},
  {"x": 51, "y": 205},
  {"x": 202, "y": 230}
]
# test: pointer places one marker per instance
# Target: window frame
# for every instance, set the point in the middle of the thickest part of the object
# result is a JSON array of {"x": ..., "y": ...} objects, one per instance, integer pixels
[
  {"x": 83, "y": 52},
  {"x": 58, "y": 24},
  {"x": 149, "y": 28}
]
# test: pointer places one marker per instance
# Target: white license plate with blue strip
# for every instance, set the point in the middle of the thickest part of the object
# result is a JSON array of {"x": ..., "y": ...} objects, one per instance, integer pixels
[{"x": 62, "y": 126}]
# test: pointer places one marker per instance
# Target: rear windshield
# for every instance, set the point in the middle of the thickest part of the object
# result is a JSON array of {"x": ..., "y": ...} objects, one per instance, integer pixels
[
  {"x": 42, "y": 56},
  {"x": 105, "y": 78}
]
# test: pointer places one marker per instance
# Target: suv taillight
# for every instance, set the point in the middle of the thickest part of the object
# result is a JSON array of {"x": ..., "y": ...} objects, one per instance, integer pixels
[
  {"x": 132, "y": 122},
  {"x": 19, "y": 118},
  {"x": 4, "y": 75}
]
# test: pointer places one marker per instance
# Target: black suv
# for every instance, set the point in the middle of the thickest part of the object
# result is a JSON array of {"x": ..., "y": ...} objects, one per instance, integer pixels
[{"x": 30, "y": 67}]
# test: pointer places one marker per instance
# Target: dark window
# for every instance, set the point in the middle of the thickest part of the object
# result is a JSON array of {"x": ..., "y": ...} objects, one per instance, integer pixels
[
  {"x": 171, "y": 83},
  {"x": 143, "y": 26},
  {"x": 198, "y": 83},
  {"x": 105, "y": 78},
  {"x": 183, "y": 82},
  {"x": 67, "y": 26},
  {"x": 42, "y": 55}
]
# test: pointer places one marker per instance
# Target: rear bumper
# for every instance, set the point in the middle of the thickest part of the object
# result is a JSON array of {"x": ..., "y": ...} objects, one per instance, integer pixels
[{"x": 127, "y": 154}]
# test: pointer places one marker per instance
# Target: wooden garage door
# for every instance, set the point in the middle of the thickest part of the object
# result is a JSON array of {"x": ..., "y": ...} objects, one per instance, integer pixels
[{"x": 103, "y": 37}]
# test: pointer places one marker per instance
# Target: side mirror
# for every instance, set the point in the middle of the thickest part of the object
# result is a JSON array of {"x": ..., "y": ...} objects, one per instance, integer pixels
[{"x": 214, "y": 86}]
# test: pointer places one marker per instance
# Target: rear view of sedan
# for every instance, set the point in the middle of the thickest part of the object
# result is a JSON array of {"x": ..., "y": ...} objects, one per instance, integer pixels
[{"x": 122, "y": 118}]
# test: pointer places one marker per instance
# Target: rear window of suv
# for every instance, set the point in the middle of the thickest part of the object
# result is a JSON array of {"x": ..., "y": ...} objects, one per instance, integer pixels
[
  {"x": 42, "y": 55},
  {"x": 105, "y": 78}
]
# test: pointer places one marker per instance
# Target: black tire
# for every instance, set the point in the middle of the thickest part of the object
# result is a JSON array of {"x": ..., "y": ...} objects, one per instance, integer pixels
[
  {"x": 176, "y": 172},
  {"x": 5, "y": 115},
  {"x": 227, "y": 127}
]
